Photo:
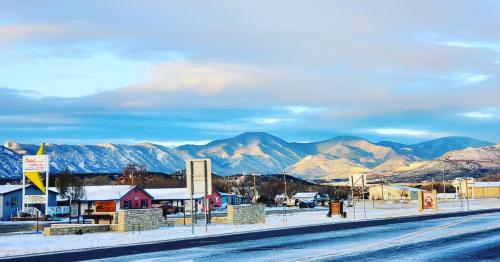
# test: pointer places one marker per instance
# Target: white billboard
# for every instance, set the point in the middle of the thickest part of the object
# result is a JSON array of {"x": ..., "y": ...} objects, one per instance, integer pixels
[
  {"x": 199, "y": 174},
  {"x": 34, "y": 199},
  {"x": 357, "y": 180},
  {"x": 37, "y": 163}
]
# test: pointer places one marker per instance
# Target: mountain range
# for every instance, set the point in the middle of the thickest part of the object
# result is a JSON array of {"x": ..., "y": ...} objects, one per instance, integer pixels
[{"x": 246, "y": 153}]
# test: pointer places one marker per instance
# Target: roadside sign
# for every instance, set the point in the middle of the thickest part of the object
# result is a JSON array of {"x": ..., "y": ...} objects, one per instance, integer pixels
[
  {"x": 199, "y": 181},
  {"x": 200, "y": 176},
  {"x": 34, "y": 199},
  {"x": 357, "y": 180},
  {"x": 428, "y": 200},
  {"x": 36, "y": 163}
]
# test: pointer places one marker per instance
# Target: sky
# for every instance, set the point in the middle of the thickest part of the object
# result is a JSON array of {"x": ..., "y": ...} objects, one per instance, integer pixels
[{"x": 177, "y": 72}]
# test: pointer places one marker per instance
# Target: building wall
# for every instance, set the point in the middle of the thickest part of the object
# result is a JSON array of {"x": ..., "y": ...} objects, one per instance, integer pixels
[
  {"x": 135, "y": 196},
  {"x": 390, "y": 193},
  {"x": 8, "y": 210},
  {"x": 215, "y": 198},
  {"x": 483, "y": 192}
]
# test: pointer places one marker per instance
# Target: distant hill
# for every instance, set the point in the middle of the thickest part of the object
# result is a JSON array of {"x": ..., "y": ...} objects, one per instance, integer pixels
[
  {"x": 250, "y": 152},
  {"x": 432, "y": 149},
  {"x": 471, "y": 162}
]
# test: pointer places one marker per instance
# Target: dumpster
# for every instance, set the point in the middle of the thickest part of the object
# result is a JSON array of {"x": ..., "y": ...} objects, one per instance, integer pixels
[{"x": 337, "y": 208}]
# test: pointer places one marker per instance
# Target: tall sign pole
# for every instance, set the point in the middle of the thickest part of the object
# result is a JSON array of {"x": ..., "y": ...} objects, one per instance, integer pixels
[
  {"x": 199, "y": 182},
  {"x": 192, "y": 202},
  {"x": 23, "y": 201},
  {"x": 363, "y": 190},
  {"x": 47, "y": 188},
  {"x": 207, "y": 201},
  {"x": 352, "y": 197}
]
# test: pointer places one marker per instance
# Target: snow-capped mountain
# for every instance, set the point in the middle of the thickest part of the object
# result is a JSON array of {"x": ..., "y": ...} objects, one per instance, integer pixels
[
  {"x": 432, "y": 149},
  {"x": 10, "y": 163},
  {"x": 249, "y": 152},
  {"x": 466, "y": 162}
]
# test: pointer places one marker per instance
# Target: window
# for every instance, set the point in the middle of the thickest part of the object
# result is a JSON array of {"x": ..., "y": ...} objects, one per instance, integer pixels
[
  {"x": 144, "y": 203},
  {"x": 13, "y": 201},
  {"x": 127, "y": 204}
]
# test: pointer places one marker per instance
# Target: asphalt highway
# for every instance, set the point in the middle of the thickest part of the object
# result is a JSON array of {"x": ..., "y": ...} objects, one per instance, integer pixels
[{"x": 458, "y": 236}]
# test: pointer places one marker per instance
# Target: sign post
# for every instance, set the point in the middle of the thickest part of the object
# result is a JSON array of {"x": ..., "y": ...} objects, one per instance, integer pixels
[
  {"x": 199, "y": 181},
  {"x": 36, "y": 163},
  {"x": 358, "y": 180}
]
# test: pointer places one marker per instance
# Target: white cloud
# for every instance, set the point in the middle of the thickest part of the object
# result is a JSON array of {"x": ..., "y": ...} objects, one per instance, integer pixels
[
  {"x": 405, "y": 132},
  {"x": 176, "y": 143},
  {"x": 28, "y": 31},
  {"x": 472, "y": 78},
  {"x": 36, "y": 119},
  {"x": 304, "y": 109},
  {"x": 482, "y": 45},
  {"x": 269, "y": 120},
  {"x": 204, "y": 78},
  {"x": 477, "y": 114}
]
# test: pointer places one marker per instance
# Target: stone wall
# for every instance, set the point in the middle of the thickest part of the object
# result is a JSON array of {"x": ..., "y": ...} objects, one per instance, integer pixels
[
  {"x": 69, "y": 229},
  {"x": 246, "y": 214},
  {"x": 139, "y": 219}
]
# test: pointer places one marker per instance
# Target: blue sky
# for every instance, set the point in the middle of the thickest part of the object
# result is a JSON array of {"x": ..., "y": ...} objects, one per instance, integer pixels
[{"x": 91, "y": 72}]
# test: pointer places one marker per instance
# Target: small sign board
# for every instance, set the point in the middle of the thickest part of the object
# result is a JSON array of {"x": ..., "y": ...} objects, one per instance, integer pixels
[
  {"x": 199, "y": 174},
  {"x": 428, "y": 200},
  {"x": 357, "y": 180},
  {"x": 36, "y": 163},
  {"x": 105, "y": 206},
  {"x": 34, "y": 199}
]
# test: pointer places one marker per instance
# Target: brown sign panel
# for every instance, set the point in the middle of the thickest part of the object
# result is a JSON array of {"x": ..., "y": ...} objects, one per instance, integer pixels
[
  {"x": 428, "y": 200},
  {"x": 105, "y": 206}
]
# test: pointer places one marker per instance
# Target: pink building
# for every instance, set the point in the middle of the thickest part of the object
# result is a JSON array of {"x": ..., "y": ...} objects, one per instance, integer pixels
[{"x": 215, "y": 200}]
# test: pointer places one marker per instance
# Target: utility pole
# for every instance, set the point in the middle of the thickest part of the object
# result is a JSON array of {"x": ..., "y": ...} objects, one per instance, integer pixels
[
  {"x": 444, "y": 183},
  {"x": 286, "y": 198},
  {"x": 254, "y": 188},
  {"x": 284, "y": 178},
  {"x": 382, "y": 185}
]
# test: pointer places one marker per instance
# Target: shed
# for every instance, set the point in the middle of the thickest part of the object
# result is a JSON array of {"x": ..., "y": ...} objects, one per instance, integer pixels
[
  {"x": 484, "y": 189},
  {"x": 393, "y": 192}
]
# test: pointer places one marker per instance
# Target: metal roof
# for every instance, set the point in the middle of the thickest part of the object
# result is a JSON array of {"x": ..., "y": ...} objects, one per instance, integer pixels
[
  {"x": 9, "y": 188},
  {"x": 486, "y": 184},
  {"x": 171, "y": 194},
  {"x": 305, "y": 194}
]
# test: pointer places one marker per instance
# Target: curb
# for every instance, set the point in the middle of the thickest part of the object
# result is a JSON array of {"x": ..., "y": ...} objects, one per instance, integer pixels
[{"x": 174, "y": 244}]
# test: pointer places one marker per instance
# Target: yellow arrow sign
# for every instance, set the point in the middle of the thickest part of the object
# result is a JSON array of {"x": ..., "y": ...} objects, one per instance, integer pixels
[{"x": 35, "y": 176}]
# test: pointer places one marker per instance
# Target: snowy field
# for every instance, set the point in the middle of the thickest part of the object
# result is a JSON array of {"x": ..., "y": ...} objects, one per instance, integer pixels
[{"x": 37, "y": 243}]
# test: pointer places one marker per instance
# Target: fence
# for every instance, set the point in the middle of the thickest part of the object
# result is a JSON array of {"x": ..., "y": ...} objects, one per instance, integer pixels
[{"x": 57, "y": 211}]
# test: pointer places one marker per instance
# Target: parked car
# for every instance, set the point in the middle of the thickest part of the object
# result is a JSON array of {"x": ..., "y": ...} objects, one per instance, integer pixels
[
  {"x": 290, "y": 203},
  {"x": 306, "y": 204}
]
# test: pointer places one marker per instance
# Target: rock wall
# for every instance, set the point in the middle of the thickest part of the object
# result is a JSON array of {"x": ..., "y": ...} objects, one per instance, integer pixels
[
  {"x": 65, "y": 229},
  {"x": 246, "y": 214},
  {"x": 140, "y": 219}
]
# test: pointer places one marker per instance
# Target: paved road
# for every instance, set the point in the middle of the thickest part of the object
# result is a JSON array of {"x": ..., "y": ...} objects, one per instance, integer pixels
[
  {"x": 471, "y": 236},
  {"x": 467, "y": 238}
]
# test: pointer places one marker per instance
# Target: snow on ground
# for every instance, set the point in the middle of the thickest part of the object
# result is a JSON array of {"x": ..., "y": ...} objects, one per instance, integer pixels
[{"x": 37, "y": 243}]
